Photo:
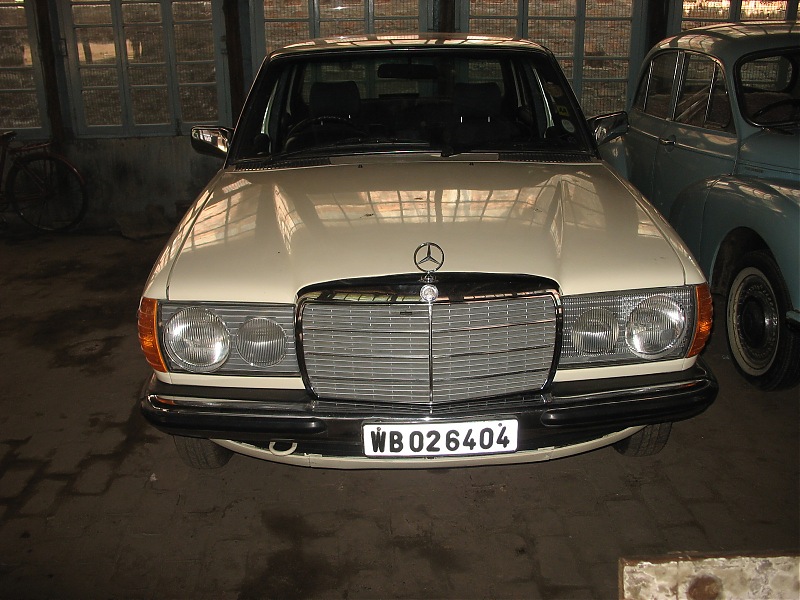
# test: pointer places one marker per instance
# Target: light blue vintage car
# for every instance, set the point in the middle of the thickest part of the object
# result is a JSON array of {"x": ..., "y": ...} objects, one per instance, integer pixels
[{"x": 713, "y": 140}]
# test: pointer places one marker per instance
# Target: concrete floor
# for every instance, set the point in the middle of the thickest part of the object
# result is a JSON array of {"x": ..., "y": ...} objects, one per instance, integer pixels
[{"x": 94, "y": 503}]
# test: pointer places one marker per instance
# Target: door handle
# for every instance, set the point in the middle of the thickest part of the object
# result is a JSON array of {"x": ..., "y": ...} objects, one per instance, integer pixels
[{"x": 668, "y": 142}]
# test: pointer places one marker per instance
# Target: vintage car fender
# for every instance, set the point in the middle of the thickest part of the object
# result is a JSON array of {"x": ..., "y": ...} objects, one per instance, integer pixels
[{"x": 714, "y": 214}]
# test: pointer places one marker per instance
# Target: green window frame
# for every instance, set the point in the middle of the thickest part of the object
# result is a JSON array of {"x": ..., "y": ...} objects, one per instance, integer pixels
[
  {"x": 596, "y": 41},
  {"x": 276, "y": 24},
  {"x": 145, "y": 67},
  {"x": 22, "y": 95}
]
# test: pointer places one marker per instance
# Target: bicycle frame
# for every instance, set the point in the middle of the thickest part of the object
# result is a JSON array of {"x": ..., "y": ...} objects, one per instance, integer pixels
[{"x": 9, "y": 152}]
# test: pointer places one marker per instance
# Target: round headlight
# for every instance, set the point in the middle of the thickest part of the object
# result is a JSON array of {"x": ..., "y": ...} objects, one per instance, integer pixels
[
  {"x": 595, "y": 332},
  {"x": 197, "y": 340},
  {"x": 655, "y": 326},
  {"x": 261, "y": 342}
]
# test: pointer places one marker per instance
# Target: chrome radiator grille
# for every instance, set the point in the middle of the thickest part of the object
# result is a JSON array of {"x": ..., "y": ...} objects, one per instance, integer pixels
[{"x": 412, "y": 352}]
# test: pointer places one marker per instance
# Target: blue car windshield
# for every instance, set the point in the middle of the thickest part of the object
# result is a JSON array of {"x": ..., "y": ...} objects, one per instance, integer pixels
[{"x": 769, "y": 88}]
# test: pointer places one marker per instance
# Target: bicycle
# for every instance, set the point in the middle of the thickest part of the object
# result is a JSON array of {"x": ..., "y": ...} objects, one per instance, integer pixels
[{"x": 42, "y": 187}]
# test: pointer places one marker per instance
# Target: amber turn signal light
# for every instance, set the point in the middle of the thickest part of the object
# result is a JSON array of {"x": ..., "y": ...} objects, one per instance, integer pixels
[
  {"x": 148, "y": 333},
  {"x": 705, "y": 317}
]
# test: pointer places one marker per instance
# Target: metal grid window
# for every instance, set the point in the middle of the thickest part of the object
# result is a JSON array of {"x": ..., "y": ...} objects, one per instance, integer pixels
[
  {"x": 21, "y": 90},
  {"x": 141, "y": 67},
  {"x": 290, "y": 21},
  {"x": 696, "y": 13},
  {"x": 591, "y": 39}
]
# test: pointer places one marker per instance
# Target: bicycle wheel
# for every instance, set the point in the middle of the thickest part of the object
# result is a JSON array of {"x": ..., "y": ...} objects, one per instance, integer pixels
[{"x": 47, "y": 192}]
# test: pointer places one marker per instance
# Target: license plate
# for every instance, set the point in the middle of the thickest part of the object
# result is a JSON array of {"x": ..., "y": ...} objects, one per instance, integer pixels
[{"x": 440, "y": 439}]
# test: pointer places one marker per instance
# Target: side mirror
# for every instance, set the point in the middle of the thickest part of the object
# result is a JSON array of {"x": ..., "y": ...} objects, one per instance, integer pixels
[
  {"x": 609, "y": 127},
  {"x": 214, "y": 141}
]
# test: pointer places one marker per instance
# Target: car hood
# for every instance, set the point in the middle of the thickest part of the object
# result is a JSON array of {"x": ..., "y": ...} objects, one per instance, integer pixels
[
  {"x": 771, "y": 154},
  {"x": 260, "y": 236}
]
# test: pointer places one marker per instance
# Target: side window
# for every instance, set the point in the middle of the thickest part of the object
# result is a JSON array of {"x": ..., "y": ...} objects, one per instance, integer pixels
[
  {"x": 703, "y": 99},
  {"x": 719, "y": 110},
  {"x": 658, "y": 90}
]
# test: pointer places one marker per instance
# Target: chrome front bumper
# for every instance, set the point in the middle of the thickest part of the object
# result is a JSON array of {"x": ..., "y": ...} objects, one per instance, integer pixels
[{"x": 565, "y": 415}]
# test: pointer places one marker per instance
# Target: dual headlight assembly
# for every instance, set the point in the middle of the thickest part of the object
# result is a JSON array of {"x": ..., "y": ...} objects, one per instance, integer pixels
[{"x": 598, "y": 329}]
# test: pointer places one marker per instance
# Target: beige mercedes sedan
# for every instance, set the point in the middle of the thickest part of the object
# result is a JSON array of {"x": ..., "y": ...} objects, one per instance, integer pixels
[{"x": 413, "y": 257}]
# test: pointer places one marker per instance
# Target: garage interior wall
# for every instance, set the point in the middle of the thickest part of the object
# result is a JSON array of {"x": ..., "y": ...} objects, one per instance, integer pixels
[{"x": 118, "y": 84}]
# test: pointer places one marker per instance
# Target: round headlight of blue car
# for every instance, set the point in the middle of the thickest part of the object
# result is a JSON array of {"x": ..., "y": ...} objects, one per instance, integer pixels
[
  {"x": 655, "y": 326},
  {"x": 197, "y": 340}
]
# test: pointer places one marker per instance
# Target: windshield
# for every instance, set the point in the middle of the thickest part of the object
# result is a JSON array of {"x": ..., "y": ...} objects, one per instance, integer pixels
[
  {"x": 442, "y": 101},
  {"x": 769, "y": 89}
]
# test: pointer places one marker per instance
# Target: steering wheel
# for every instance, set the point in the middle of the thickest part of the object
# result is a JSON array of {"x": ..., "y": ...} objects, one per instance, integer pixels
[
  {"x": 777, "y": 104},
  {"x": 322, "y": 120}
]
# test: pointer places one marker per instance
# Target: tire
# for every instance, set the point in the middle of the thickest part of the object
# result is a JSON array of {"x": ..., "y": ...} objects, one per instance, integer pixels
[
  {"x": 645, "y": 442},
  {"x": 200, "y": 453},
  {"x": 764, "y": 349},
  {"x": 47, "y": 192}
]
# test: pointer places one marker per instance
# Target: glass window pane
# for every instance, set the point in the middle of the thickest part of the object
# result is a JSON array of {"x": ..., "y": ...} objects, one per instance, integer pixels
[
  {"x": 502, "y": 27},
  {"x": 16, "y": 79},
  {"x": 773, "y": 10},
  {"x": 194, "y": 42},
  {"x": 606, "y": 38},
  {"x": 191, "y": 11},
  {"x": 552, "y": 8},
  {"x": 289, "y": 9},
  {"x": 396, "y": 8},
  {"x": 145, "y": 44},
  {"x": 281, "y": 34},
  {"x": 699, "y": 13},
  {"x": 197, "y": 73},
  {"x": 719, "y": 111},
  {"x": 600, "y": 97},
  {"x": 769, "y": 88},
  {"x": 605, "y": 69},
  {"x": 96, "y": 45},
  {"x": 609, "y": 8},
  {"x": 695, "y": 90},
  {"x": 199, "y": 104},
  {"x": 150, "y": 105},
  {"x": 719, "y": 9},
  {"x": 497, "y": 8},
  {"x": 334, "y": 28},
  {"x": 662, "y": 75},
  {"x": 102, "y": 107},
  {"x": 147, "y": 75},
  {"x": 20, "y": 109},
  {"x": 557, "y": 34},
  {"x": 141, "y": 12},
  {"x": 99, "y": 77},
  {"x": 14, "y": 48},
  {"x": 385, "y": 26},
  {"x": 13, "y": 16},
  {"x": 341, "y": 9},
  {"x": 91, "y": 14}
]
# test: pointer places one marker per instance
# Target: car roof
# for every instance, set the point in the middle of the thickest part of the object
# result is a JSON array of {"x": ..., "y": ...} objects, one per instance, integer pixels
[
  {"x": 406, "y": 42},
  {"x": 729, "y": 41}
]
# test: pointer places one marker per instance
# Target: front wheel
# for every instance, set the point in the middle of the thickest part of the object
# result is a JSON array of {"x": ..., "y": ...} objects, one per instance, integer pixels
[
  {"x": 765, "y": 350},
  {"x": 648, "y": 441},
  {"x": 200, "y": 453},
  {"x": 47, "y": 192}
]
